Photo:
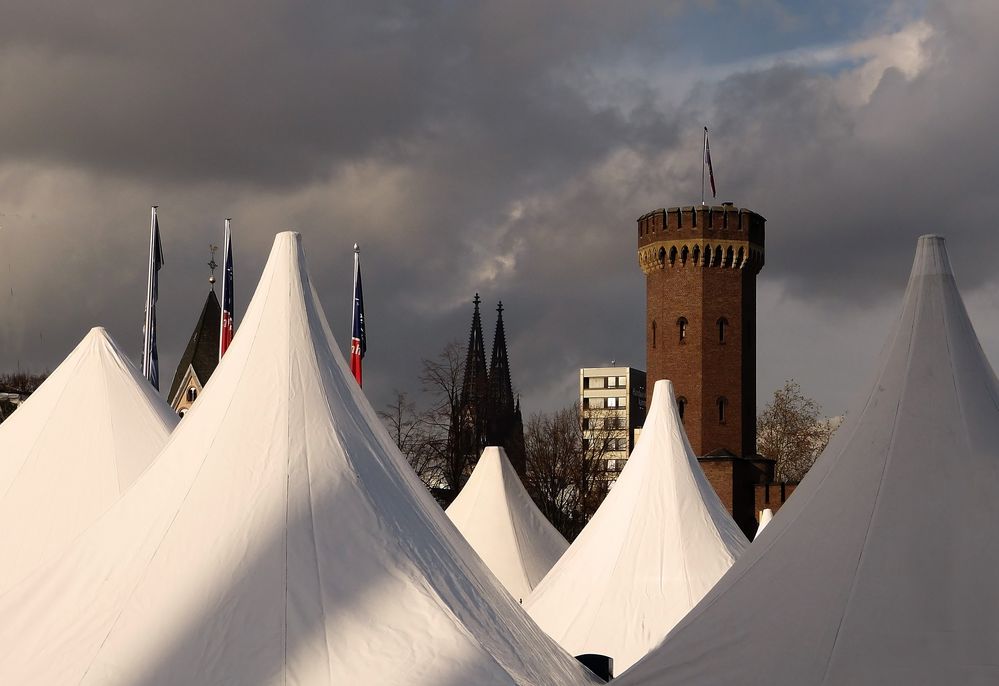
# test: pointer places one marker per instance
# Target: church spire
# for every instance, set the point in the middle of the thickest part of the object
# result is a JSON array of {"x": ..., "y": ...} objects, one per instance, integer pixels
[
  {"x": 475, "y": 385},
  {"x": 500, "y": 387},
  {"x": 472, "y": 418}
]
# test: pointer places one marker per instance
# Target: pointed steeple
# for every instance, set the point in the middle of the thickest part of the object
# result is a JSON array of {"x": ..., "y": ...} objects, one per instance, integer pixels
[
  {"x": 472, "y": 417},
  {"x": 201, "y": 355},
  {"x": 475, "y": 384},
  {"x": 500, "y": 388},
  {"x": 505, "y": 426}
]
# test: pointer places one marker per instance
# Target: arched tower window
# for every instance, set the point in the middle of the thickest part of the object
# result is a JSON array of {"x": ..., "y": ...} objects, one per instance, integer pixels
[
  {"x": 696, "y": 254},
  {"x": 722, "y": 407},
  {"x": 683, "y": 255},
  {"x": 681, "y": 405},
  {"x": 672, "y": 256},
  {"x": 718, "y": 257},
  {"x": 681, "y": 326},
  {"x": 722, "y": 327},
  {"x": 729, "y": 257},
  {"x": 653, "y": 334},
  {"x": 662, "y": 257}
]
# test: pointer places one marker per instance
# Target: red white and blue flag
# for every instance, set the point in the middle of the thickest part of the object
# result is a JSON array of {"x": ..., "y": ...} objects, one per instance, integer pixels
[
  {"x": 358, "y": 341},
  {"x": 228, "y": 328},
  {"x": 150, "y": 355}
]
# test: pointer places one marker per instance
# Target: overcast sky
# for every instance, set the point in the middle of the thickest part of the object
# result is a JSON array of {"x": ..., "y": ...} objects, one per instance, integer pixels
[{"x": 499, "y": 146}]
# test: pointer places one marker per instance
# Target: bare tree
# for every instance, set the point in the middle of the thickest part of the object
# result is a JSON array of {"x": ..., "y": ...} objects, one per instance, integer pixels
[
  {"x": 441, "y": 380},
  {"x": 408, "y": 427},
  {"x": 792, "y": 431},
  {"x": 565, "y": 477}
]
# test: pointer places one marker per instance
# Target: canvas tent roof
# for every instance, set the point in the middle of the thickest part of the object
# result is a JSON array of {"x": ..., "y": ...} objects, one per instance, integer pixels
[
  {"x": 766, "y": 514},
  {"x": 72, "y": 448},
  {"x": 881, "y": 568},
  {"x": 655, "y": 546},
  {"x": 279, "y": 538},
  {"x": 499, "y": 520}
]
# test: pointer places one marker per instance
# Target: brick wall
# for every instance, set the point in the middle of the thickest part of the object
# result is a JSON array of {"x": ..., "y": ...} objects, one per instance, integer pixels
[{"x": 701, "y": 265}]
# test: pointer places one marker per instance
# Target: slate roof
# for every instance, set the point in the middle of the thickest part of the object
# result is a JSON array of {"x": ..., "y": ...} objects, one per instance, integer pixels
[{"x": 202, "y": 352}]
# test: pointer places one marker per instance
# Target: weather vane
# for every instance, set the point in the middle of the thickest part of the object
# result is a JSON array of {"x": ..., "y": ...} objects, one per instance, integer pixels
[{"x": 212, "y": 264}]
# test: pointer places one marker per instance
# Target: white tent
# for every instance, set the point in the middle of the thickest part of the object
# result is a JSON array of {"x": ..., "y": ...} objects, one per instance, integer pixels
[
  {"x": 882, "y": 568},
  {"x": 766, "y": 514},
  {"x": 503, "y": 525},
  {"x": 280, "y": 538},
  {"x": 655, "y": 546},
  {"x": 72, "y": 448}
]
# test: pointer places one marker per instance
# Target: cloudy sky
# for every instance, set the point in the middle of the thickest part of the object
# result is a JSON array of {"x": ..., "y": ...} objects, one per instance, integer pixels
[{"x": 497, "y": 146}]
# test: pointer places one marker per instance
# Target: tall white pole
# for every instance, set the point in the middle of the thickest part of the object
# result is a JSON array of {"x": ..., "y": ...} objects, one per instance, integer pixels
[{"x": 147, "y": 332}]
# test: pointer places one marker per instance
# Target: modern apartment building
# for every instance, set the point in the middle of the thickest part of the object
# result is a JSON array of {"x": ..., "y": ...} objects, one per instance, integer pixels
[{"x": 612, "y": 405}]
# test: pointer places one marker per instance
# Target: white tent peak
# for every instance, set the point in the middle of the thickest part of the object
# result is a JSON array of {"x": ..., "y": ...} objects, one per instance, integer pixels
[
  {"x": 280, "y": 537},
  {"x": 766, "y": 514},
  {"x": 72, "y": 448},
  {"x": 655, "y": 546},
  {"x": 500, "y": 521},
  {"x": 887, "y": 552}
]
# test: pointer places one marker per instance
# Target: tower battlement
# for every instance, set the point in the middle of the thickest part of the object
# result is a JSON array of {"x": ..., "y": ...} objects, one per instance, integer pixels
[{"x": 702, "y": 236}]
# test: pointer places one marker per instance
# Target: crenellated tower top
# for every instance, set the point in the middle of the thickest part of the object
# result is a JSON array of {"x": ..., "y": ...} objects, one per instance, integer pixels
[{"x": 722, "y": 236}]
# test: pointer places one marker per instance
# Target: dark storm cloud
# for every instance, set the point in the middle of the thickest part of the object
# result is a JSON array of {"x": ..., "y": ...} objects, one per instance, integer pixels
[
  {"x": 467, "y": 147},
  {"x": 279, "y": 93}
]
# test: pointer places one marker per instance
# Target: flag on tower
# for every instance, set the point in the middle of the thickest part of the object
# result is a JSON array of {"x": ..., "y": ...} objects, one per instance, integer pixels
[
  {"x": 150, "y": 356},
  {"x": 358, "y": 341},
  {"x": 228, "y": 327},
  {"x": 707, "y": 160}
]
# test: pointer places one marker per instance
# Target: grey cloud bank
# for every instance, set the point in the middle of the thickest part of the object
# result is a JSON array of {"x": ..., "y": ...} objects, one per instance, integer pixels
[{"x": 463, "y": 147}]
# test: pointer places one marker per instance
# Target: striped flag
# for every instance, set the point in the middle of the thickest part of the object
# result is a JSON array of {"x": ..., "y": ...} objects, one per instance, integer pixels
[
  {"x": 358, "y": 340},
  {"x": 225, "y": 335},
  {"x": 150, "y": 356},
  {"x": 707, "y": 160}
]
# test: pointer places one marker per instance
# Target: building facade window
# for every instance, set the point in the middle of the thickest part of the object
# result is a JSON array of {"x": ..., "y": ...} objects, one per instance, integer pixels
[
  {"x": 681, "y": 326},
  {"x": 722, "y": 326},
  {"x": 653, "y": 334},
  {"x": 192, "y": 394},
  {"x": 681, "y": 406},
  {"x": 722, "y": 407}
]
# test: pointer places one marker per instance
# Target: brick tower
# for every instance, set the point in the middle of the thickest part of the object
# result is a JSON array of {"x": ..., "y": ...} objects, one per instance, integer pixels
[{"x": 700, "y": 265}]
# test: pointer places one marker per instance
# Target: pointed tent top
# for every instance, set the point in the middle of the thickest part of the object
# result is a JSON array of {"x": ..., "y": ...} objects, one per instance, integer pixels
[
  {"x": 656, "y": 545},
  {"x": 931, "y": 257},
  {"x": 284, "y": 501},
  {"x": 500, "y": 521},
  {"x": 72, "y": 448},
  {"x": 895, "y": 592},
  {"x": 356, "y": 249}
]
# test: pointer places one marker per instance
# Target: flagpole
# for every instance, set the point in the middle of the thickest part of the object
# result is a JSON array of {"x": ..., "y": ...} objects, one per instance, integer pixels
[
  {"x": 353, "y": 307},
  {"x": 225, "y": 284},
  {"x": 147, "y": 330},
  {"x": 704, "y": 149}
]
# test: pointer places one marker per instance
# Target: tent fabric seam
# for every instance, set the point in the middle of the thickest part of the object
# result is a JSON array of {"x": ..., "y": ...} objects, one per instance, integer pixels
[{"x": 877, "y": 496}]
